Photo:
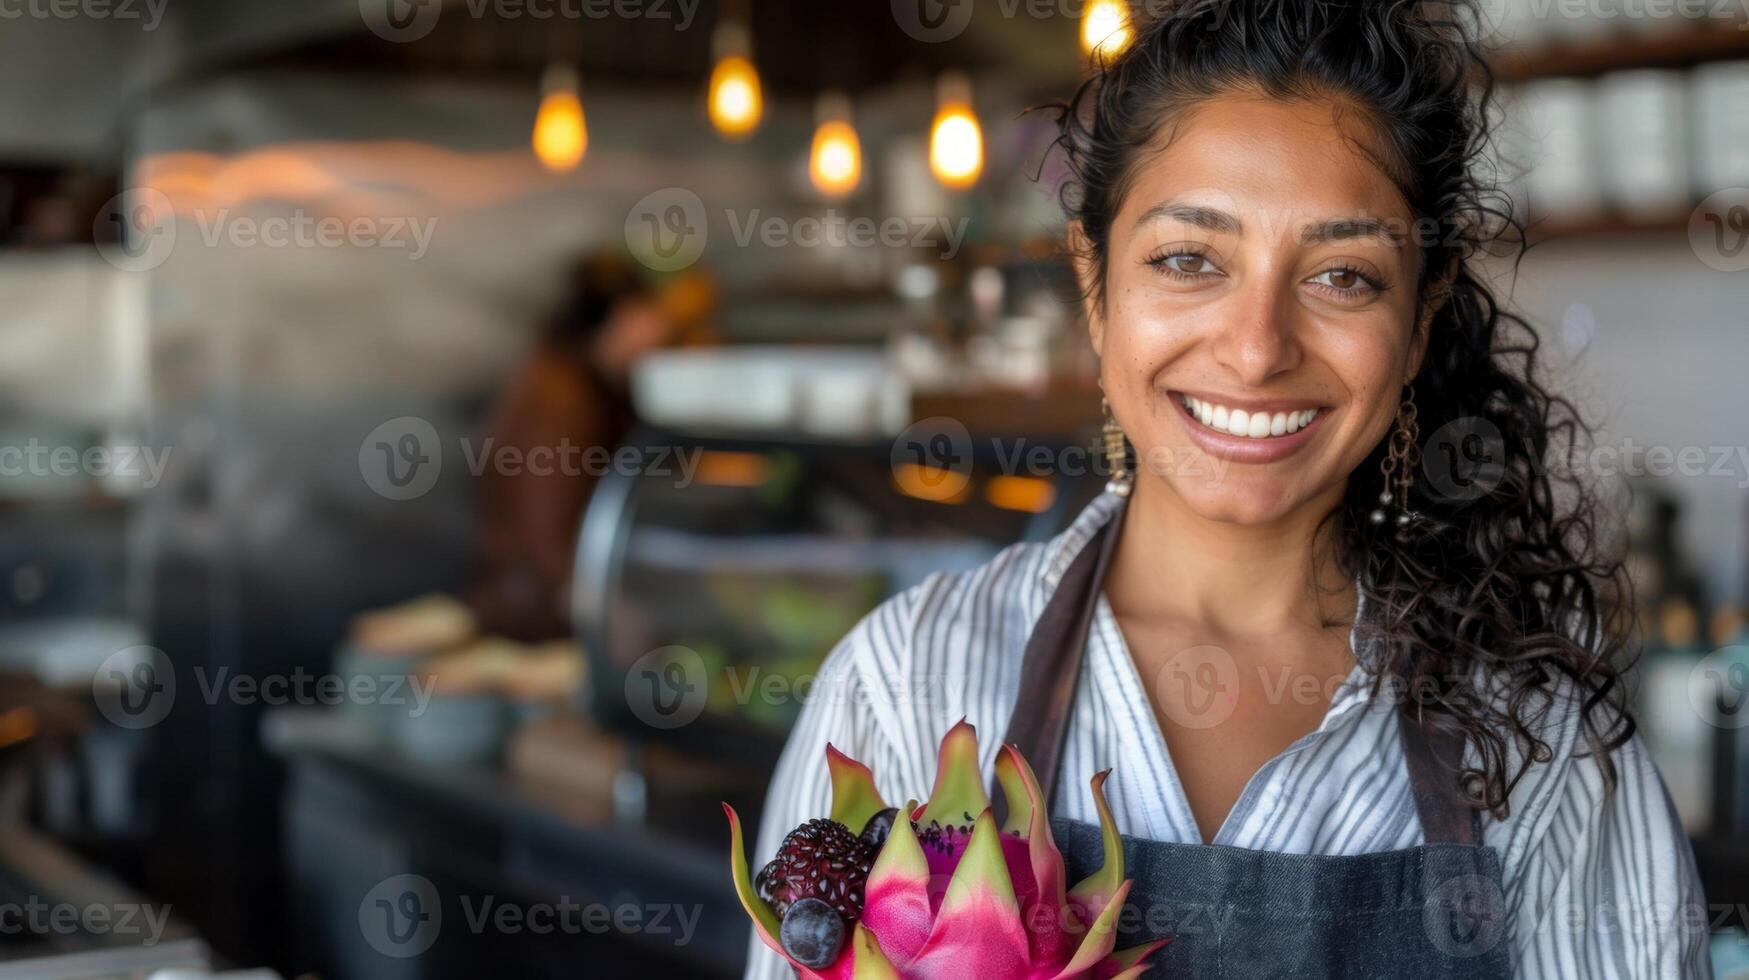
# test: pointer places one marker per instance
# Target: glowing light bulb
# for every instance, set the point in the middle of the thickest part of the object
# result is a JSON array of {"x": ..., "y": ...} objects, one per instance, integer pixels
[
  {"x": 956, "y": 141},
  {"x": 835, "y": 163},
  {"x": 561, "y": 136},
  {"x": 1105, "y": 27},
  {"x": 736, "y": 100}
]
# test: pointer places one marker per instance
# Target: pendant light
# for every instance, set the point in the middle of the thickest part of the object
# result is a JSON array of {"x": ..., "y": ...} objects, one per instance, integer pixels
[
  {"x": 561, "y": 136},
  {"x": 736, "y": 100},
  {"x": 956, "y": 142},
  {"x": 835, "y": 161},
  {"x": 1105, "y": 27}
]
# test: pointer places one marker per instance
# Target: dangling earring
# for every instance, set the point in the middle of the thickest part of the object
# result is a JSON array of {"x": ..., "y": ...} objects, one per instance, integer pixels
[
  {"x": 1117, "y": 454},
  {"x": 1398, "y": 467}
]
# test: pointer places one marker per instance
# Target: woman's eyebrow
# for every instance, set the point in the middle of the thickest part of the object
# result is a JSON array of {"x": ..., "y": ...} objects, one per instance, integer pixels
[
  {"x": 1339, "y": 229},
  {"x": 1330, "y": 230},
  {"x": 1212, "y": 219}
]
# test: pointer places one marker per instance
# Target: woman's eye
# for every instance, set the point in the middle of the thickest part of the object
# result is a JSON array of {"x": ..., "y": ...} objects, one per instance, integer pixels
[
  {"x": 1185, "y": 264},
  {"x": 1345, "y": 282}
]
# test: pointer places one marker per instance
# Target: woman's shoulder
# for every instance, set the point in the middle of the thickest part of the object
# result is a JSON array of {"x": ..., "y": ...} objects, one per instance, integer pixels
[{"x": 1589, "y": 764}]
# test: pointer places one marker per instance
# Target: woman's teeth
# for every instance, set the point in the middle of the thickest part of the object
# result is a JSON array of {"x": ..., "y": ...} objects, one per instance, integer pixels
[{"x": 1251, "y": 425}]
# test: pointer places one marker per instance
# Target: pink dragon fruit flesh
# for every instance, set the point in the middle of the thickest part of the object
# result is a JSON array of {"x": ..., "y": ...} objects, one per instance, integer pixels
[{"x": 948, "y": 893}]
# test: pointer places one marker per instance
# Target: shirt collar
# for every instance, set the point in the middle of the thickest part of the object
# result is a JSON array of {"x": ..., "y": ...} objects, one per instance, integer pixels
[{"x": 1062, "y": 549}]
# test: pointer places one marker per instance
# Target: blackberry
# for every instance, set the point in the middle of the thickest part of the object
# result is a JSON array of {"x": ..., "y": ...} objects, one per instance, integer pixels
[{"x": 820, "y": 859}]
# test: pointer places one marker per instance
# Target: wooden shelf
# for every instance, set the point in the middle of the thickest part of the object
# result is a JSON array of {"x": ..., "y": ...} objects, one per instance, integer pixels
[
  {"x": 1589, "y": 58},
  {"x": 1607, "y": 225}
]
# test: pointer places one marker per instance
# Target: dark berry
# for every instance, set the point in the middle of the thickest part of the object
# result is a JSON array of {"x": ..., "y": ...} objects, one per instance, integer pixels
[
  {"x": 813, "y": 933},
  {"x": 874, "y": 833},
  {"x": 820, "y": 859}
]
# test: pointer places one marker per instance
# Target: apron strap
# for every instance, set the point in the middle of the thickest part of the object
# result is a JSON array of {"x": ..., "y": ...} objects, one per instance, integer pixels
[
  {"x": 1051, "y": 668},
  {"x": 1433, "y": 761}
]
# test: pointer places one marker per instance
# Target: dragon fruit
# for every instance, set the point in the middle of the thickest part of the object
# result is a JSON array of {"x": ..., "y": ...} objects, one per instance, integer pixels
[{"x": 948, "y": 892}]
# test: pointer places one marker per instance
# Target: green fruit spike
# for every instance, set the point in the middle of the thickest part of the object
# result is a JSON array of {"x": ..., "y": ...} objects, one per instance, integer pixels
[
  {"x": 764, "y": 918},
  {"x": 1096, "y": 890},
  {"x": 1019, "y": 787},
  {"x": 959, "y": 790},
  {"x": 868, "y": 960},
  {"x": 854, "y": 797}
]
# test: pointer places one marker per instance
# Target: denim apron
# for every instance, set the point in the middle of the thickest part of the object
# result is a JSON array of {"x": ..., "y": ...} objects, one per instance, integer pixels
[{"x": 1427, "y": 912}]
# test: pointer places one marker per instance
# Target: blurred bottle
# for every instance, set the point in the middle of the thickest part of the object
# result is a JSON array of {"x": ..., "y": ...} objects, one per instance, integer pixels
[
  {"x": 1724, "y": 679},
  {"x": 1679, "y": 736}
]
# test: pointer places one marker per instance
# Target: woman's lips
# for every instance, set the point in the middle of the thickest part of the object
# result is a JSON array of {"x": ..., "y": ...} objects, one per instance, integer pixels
[{"x": 1281, "y": 428}]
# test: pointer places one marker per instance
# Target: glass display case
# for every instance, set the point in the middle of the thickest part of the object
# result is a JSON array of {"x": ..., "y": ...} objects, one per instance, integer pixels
[{"x": 713, "y": 574}]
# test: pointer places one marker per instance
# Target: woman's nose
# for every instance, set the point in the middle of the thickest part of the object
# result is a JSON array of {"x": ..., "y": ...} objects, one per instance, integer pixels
[{"x": 1256, "y": 340}]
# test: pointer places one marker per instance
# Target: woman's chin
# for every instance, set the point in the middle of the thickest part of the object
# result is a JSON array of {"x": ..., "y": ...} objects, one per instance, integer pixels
[{"x": 1235, "y": 500}]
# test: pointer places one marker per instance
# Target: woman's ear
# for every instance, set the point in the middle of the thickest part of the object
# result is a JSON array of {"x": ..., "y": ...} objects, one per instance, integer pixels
[{"x": 1087, "y": 278}]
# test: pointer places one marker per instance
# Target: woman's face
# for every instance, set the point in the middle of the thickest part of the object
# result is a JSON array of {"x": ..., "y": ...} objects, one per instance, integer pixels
[{"x": 1256, "y": 329}]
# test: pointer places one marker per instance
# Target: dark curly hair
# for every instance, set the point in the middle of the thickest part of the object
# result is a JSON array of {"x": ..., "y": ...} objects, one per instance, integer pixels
[{"x": 1509, "y": 584}]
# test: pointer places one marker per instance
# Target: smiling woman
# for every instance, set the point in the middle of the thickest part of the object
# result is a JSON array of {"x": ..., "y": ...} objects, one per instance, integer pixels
[{"x": 1390, "y": 691}]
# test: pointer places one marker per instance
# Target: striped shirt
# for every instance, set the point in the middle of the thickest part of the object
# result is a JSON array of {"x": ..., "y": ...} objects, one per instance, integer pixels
[{"x": 1595, "y": 886}]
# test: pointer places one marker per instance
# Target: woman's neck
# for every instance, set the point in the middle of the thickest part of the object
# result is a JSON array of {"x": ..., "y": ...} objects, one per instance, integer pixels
[{"x": 1235, "y": 580}]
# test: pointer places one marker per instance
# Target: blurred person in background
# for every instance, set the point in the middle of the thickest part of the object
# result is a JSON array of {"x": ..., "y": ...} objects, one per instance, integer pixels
[{"x": 566, "y": 408}]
